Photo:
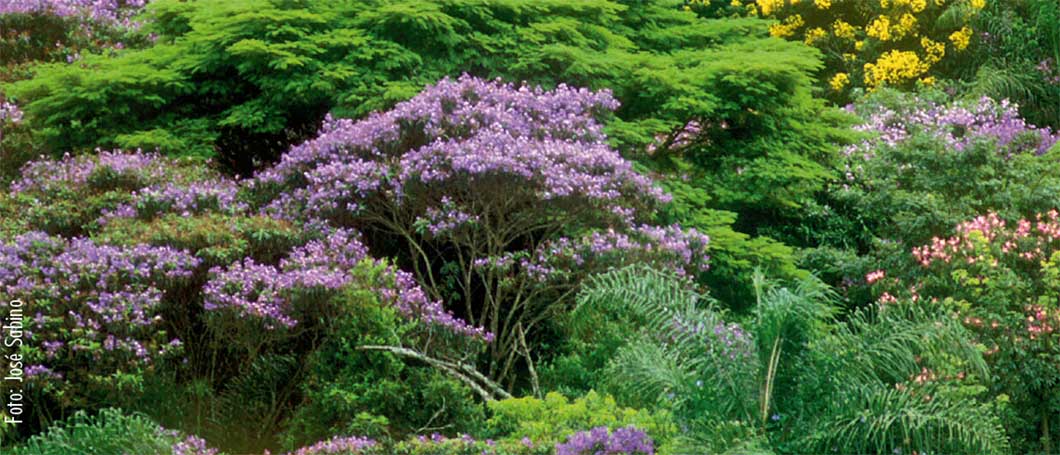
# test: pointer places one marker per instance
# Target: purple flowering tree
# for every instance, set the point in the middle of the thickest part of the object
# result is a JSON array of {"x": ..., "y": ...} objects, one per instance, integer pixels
[{"x": 497, "y": 198}]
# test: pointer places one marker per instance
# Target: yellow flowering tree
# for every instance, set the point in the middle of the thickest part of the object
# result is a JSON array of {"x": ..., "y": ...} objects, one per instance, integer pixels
[{"x": 870, "y": 43}]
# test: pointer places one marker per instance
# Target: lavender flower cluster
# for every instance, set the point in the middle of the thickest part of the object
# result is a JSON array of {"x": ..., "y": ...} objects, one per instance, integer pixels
[
  {"x": 271, "y": 294},
  {"x": 338, "y": 445},
  {"x": 135, "y": 170},
  {"x": 957, "y": 125},
  {"x": 548, "y": 142},
  {"x": 94, "y": 305},
  {"x": 667, "y": 246},
  {"x": 10, "y": 112},
  {"x": 183, "y": 198},
  {"x": 601, "y": 441},
  {"x": 110, "y": 12},
  {"x": 193, "y": 445}
]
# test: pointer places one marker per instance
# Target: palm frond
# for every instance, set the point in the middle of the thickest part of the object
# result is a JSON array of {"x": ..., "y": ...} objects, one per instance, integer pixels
[{"x": 878, "y": 419}]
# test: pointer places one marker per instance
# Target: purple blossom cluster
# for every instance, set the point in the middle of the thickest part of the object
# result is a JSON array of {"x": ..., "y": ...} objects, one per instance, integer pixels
[
  {"x": 193, "y": 445},
  {"x": 666, "y": 246},
  {"x": 339, "y": 445},
  {"x": 95, "y": 305},
  {"x": 1050, "y": 71},
  {"x": 9, "y": 112},
  {"x": 467, "y": 130},
  {"x": 136, "y": 170},
  {"x": 271, "y": 294},
  {"x": 183, "y": 198},
  {"x": 447, "y": 218},
  {"x": 601, "y": 441},
  {"x": 110, "y": 12},
  {"x": 957, "y": 125}
]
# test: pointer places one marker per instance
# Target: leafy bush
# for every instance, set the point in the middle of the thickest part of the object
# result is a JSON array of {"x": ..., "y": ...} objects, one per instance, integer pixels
[
  {"x": 1000, "y": 280},
  {"x": 552, "y": 420},
  {"x": 926, "y": 165},
  {"x": 792, "y": 381},
  {"x": 110, "y": 432},
  {"x": 348, "y": 390}
]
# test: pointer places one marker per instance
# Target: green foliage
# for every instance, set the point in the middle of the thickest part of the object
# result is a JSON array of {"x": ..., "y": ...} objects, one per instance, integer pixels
[
  {"x": 110, "y": 432},
  {"x": 215, "y": 238},
  {"x": 880, "y": 382},
  {"x": 1018, "y": 57},
  {"x": 797, "y": 380},
  {"x": 734, "y": 255},
  {"x": 347, "y": 390},
  {"x": 245, "y": 78},
  {"x": 552, "y": 419}
]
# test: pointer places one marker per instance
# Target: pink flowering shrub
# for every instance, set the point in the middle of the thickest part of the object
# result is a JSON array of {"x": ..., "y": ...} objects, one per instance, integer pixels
[
  {"x": 499, "y": 199},
  {"x": 1002, "y": 280}
]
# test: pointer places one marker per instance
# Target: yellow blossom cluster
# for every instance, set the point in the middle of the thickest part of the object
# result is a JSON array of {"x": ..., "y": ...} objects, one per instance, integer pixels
[
  {"x": 895, "y": 67},
  {"x": 843, "y": 29},
  {"x": 839, "y": 81},
  {"x": 915, "y": 6},
  {"x": 933, "y": 50},
  {"x": 788, "y": 27},
  {"x": 870, "y": 43},
  {"x": 961, "y": 38},
  {"x": 815, "y": 34}
]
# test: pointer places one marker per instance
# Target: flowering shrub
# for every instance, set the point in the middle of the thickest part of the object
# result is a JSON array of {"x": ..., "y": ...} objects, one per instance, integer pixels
[
  {"x": 75, "y": 195},
  {"x": 1001, "y": 279},
  {"x": 349, "y": 445},
  {"x": 957, "y": 126},
  {"x": 926, "y": 163},
  {"x": 275, "y": 296},
  {"x": 601, "y": 441},
  {"x": 874, "y": 43},
  {"x": 105, "y": 11},
  {"x": 514, "y": 187},
  {"x": 92, "y": 312}
]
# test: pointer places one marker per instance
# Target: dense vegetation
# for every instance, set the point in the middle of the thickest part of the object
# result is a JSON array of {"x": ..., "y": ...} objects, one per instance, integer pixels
[{"x": 515, "y": 227}]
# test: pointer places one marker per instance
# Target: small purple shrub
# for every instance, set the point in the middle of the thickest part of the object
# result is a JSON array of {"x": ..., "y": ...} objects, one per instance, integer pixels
[
  {"x": 601, "y": 441},
  {"x": 349, "y": 445},
  {"x": 89, "y": 311}
]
